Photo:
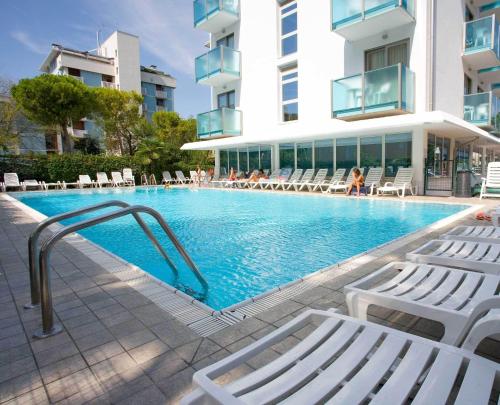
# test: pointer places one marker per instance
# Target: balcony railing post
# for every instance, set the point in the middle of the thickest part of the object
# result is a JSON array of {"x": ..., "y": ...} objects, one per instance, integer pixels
[
  {"x": 363, "y": 82},
  {"x": 222, "y": 118},
  {"x": 222, "y": 59}
]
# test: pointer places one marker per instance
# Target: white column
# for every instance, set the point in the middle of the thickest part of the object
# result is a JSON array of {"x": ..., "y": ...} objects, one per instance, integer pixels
[
  {"x": 419, "y": 144},
  {"x": 483, "y": 161},
  {"x": 217, "y": 163},
  {"x": 471, "y": 153},
  {"x": 276, "y": 157}
]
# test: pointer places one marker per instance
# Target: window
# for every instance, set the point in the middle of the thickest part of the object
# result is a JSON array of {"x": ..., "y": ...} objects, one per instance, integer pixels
[
  {"x": 438, "y": 152},
  {"x": 304, "y": 155},
  {"x": 226, "y": 100},
  {"x": 397, "y": 153},
  {"x": 226, "y": 41},
  {"x": 288, "y": 28},
  {"x": 371, "y": 151},
  {"x": 233, "y": 159},
  {"x": 223, "y": 162},
  {"x": 290, "y": 95},
  {"x": 387, "y": 56},
  {"x": 347, "y": 153},
  {"x": 287, "y": 156},
  {"x": 265, "y": 157},
  {"x": 467, "y": 85},
  {"x": 323, "y": 155},
  {"x": 243, "y": 156},
  {"x": 74, "y": 72},
  {"x": 253, "y": 158},
  {"x": 462, "y": 157}
]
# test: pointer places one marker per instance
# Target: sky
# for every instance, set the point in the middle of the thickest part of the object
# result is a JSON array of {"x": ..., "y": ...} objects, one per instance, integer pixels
[{"x": 165, "y": 28}]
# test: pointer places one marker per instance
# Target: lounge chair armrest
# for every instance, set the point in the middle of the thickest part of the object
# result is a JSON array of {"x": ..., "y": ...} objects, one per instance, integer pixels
[{"x": 389, "y": 184}]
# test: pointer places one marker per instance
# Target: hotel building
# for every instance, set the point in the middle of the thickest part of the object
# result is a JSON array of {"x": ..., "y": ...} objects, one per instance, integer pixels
[
  {"x": 114, "y": 64},
  {"x": 342, "y": 83}
]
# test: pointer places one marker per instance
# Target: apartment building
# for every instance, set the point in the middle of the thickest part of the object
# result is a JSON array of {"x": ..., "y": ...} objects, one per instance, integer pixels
[
  {"x": 114, "y": 64},
  {"x": 342, "y": 83}
]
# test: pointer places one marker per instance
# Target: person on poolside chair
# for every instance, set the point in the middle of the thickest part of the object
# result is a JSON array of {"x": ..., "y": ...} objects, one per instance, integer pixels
[
  {"x": 232, "y": 175},
  {"x": 358, "y": 182}
]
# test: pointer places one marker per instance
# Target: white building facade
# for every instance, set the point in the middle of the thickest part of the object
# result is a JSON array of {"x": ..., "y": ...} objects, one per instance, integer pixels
[
  {"x": 342, "y": 83},
  {"x": 114, "y": 64}
]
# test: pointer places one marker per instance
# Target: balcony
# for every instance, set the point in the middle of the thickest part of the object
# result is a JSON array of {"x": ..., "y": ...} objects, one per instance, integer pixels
[
  {"x": 161, "y": 94},
  {"x": 483, "y": 110},
  {"x": 482, "y": 43},
  {"x": 377, "y": 93},
  {"x": 219, "y": 123},
  {"x": 490, "y": 8},
  {"x": 108, "y": 85},
  {"x": 215, "y": 15},
  {"x": 218, "y": 67},
  {"x": 358, "y": 19}
]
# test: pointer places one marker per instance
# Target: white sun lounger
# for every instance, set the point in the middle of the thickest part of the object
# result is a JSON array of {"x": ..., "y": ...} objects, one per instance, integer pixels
[
  {"x": 263, "y": 183},
  {"x": 128, "y": 177},
  {"x": 373, "y": 179},
  {"x": 342, "y": 185},
  {"x": 283, "y": 176},
  {"x": 117, "y": 179},
  {"x": 492, "y": 181},
  {"x": 37, "y": 185},
  {"x": 102, "y": 180},
  {"x": 294, "y": 178},
  {"x": 486, "y": 234},
  {"x": 348, "y": 361},
  {"x": 11, "y": 180},
  {"x": 402, "y": 182},
  {"x": 167, "y": 178},
  {"x": 180, "y": 178},
  {"x": 84, "y": 181},
  {"x": 336, "y": 178},
  {"x": 47, "y": 186},
  {"x": 306, "y": 178},
  {"x": 315, "y": 184},
  {"x": 477, "y": 256},
  {"x": 452, "y": 297}
]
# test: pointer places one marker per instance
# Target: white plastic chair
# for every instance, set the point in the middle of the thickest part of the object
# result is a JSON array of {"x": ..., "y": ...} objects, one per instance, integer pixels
[
  {"x": 486, "y": 234},
  {"x": 102, "y": 180},
  {"x": 294, "y": 178},
  {"x": 117, "y": 179},
  {"x": 167, "y": 178},
  {"x": 342, "y": 185},
  {"x": 283, "y": 177},
  {"x": 343, "y": 360},
  {"x": 402, "y": 182},
  {"x": 180, "y": 178},
  {"x": 476, "y": 256},
  {"x": 452, "y": 297},
  {"x": 315, "y": 184},
  {"x": 306, "y": 178},
  {"x": 32, "y": 184},
  {"x": 373, "y": 179},
  {"x": 84, "y": 181},
  {"x": 11, "y": 180},
  {"x": 491, "y": 181},
  {"x": 336, "y": 178},
  {"x": 128, "y": 177}
]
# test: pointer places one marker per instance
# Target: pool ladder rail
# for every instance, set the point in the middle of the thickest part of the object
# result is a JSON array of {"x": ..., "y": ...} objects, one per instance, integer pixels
[{"x": 41, "y": 293}]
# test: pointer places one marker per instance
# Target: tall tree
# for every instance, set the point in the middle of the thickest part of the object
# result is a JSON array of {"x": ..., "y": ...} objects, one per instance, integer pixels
[
  {"x": 54, "y": 101},
  {"x": 118, "y": 114}
]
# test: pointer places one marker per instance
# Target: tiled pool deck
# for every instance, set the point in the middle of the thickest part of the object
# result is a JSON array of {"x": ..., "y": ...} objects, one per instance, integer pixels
[{"x": 120, "y": 347}]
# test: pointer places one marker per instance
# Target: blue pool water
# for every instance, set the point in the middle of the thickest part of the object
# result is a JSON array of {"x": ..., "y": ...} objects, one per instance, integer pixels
[{"x": 246, "y": 243}]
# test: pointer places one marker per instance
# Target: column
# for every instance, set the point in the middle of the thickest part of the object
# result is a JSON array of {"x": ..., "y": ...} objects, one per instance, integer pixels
[
  {"x": 217, "y": 163},
  {"x": 483, "y": 161},
  {"x": 419, "y": 143}
]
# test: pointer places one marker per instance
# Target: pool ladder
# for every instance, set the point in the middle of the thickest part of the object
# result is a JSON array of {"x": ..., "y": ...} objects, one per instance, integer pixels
[{"x": 41, "y": 293}]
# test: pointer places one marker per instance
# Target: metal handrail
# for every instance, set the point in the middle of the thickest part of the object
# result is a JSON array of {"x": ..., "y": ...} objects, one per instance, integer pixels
[
  {"x": 48, "y": 326},
  {"x": 33, "y": 243}
]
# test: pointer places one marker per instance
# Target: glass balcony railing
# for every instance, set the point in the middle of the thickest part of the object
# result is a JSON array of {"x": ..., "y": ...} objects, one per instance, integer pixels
[
  {"x": 220, "y": 122},
  {"x": 205, "y": 9},
  {"x": 345, "y": 12},
  {"x": 482, "y": 35},
  {"x": 220, "y": 60},
  {"x": 382, "y": 90},
  {"x": 482, "y": 109}
]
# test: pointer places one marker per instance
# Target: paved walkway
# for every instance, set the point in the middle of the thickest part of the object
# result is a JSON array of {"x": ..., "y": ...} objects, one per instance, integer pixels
[{"x": 119, "y": 347}]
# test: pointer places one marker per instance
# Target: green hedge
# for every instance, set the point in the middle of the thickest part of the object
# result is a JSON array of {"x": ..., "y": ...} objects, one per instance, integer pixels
[{"x": 67, "y": 167}]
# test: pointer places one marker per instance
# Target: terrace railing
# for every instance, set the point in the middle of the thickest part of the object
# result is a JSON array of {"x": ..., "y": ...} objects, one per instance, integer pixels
[{"x": 49, "y": 328}]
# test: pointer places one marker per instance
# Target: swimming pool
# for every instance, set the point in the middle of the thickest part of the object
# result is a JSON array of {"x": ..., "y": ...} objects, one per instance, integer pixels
[{"x": 245, "y": 243}]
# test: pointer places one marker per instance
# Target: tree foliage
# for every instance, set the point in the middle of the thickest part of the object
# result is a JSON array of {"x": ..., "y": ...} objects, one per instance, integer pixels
[
  {"x": 118, "y": 114},
  {"x": 54, "y": 101}
]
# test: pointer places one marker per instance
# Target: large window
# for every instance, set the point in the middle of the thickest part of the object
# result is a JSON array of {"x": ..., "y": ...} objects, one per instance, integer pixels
[
  {"x": 371, "y": 151},
  {"x": 290, "y": 95},
  {"x": 462, "y": 159},
  {"x": 287, "y": 156},
  {"x": 397, "y": 153},
  {"x": 224, "y": 162},
  {"x": 304, "y": 155},
  {"x": 226, "y": 41},
  {"x": 233, "y": 159},
  {"x": 265, "y": 157},
  {"x": 323, "y": 155},
  {"x": 288, "y": 28},
  {"x": 347, "y": 153},
  {"x": 253, "y": 158},
  {"x": 227, "y": 100},
  {"x": 388, "y": 55},
  {"x": 243, "y": 156}
]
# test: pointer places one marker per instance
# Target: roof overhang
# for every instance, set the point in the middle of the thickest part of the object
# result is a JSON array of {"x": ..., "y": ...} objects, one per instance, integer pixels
[{"x": 436, "y": 122}]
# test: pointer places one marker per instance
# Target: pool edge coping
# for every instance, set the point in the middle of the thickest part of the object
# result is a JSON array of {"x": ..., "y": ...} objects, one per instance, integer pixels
[{"x": 213, "y": 320}]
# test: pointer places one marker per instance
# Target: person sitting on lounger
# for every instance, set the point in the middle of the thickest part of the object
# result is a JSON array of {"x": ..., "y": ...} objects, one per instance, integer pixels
[
  {"x": 232, "y": 175},
  {"x": 357, "y": 182}
]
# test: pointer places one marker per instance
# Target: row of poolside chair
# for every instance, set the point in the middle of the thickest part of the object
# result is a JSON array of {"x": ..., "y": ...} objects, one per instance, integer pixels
[
  {"x": 342, "y": 359},
  {"x": 312, "y": 181},
  {"x": 11, "y": 182}
]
